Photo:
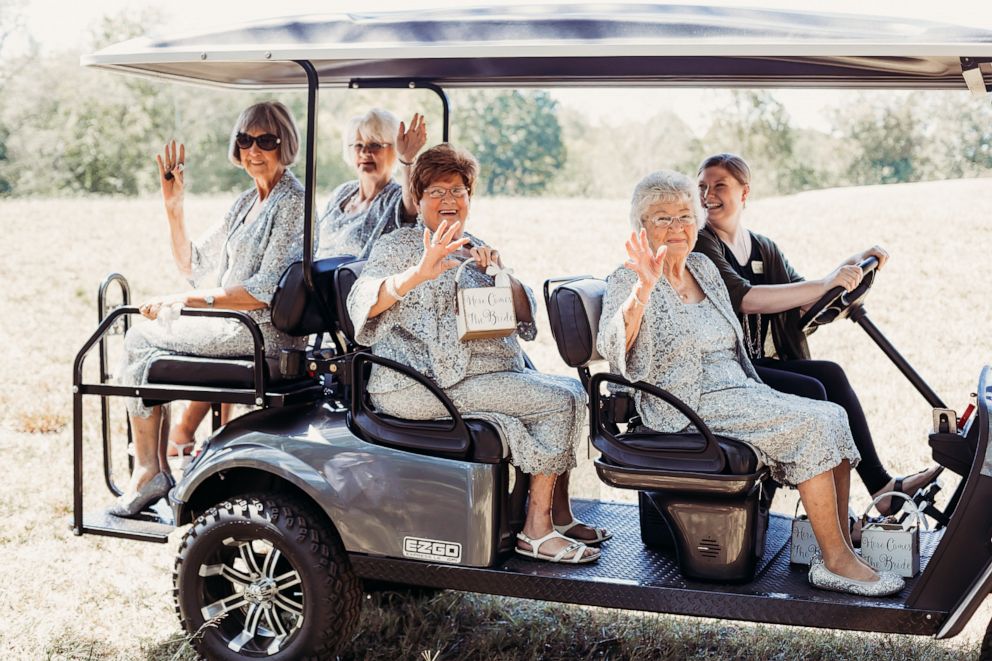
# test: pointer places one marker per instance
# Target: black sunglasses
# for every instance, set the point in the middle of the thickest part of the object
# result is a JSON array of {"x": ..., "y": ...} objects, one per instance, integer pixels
[{"x": 266, "y": 141}]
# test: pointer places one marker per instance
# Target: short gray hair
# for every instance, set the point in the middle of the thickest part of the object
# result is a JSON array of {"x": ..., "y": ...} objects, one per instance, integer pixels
[
  {"x": 377, "y": 125},
  {"x": 273, "y": 117},
  {"x": 664, "y": 186}
]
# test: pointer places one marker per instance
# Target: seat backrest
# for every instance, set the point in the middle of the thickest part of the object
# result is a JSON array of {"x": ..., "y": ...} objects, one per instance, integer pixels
[
  {"x": 296, "y": 311},
  {"x": 344, "y": 279},
  {"x": 574, "y": 309}
]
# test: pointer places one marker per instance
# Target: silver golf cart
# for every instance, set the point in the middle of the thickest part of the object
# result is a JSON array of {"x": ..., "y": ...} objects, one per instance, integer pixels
[{"x": 291, "y": 506}]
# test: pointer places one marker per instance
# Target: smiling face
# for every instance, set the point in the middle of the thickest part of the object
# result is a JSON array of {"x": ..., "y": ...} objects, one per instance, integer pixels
[
  {"x": 259, "y": 163},
  {"x": 679, "y": 238},
  {"x": 375, "y": 159},
  {"x": 722, "y": 196},
  {"x": 449, "y": 208}
]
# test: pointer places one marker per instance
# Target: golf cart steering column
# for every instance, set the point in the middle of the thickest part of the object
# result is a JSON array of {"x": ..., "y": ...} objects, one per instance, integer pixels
[{"x": 859, "y": 315}]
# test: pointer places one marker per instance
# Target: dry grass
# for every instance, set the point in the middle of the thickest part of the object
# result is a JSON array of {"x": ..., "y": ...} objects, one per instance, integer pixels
[{"x": 80, "y": 598}]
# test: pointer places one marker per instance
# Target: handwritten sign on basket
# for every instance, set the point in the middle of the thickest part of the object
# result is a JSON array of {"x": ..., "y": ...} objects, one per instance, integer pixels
[
  {"x": 891, "y": 546},
  {"x": 485, "y": 311}
]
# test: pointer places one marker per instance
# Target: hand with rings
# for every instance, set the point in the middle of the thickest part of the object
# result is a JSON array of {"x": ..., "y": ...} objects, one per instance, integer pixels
[
  {"x": 170, "y": 171},
  {"x": 484, "y": 256},
  {"x": 151, "y": 309},
  {"x": 437, "y": 250}
]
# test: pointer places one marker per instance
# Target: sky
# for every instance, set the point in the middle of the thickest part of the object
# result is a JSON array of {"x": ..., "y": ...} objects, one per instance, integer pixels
[{"x": 807, "y": 108}]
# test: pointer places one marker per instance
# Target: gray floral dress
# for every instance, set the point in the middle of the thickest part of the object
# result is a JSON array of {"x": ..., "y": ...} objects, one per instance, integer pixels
[
  {"x": 341, "y": 233},
  {"x": 231, "y": 253},
  {"x": 541, "y": 416},
  {"x": 696, "y": 352}
]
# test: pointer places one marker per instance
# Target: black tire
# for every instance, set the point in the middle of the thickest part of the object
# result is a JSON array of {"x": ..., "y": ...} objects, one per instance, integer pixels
[{"x": 281, "y": 568}]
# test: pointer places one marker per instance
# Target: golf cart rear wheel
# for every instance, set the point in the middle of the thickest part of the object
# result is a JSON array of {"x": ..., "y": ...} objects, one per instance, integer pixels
[{"x": 265, "y": 577}]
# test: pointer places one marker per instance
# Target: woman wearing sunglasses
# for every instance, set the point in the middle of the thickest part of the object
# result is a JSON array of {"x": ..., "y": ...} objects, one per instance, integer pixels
[
  {"x": 236, "y": 266},
  {"x": 373, "y": 204}
]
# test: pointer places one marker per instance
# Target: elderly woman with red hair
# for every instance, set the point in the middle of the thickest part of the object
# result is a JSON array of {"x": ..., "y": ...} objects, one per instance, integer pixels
[{"x": 402, "y": 307}]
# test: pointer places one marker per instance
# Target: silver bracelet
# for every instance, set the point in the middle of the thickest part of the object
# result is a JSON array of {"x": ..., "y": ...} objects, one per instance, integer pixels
[{"x": 391, "y": 289}]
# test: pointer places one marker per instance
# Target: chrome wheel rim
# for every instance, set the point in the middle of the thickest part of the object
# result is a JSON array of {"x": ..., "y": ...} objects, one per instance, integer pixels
[{"x": 253, "y": 594}]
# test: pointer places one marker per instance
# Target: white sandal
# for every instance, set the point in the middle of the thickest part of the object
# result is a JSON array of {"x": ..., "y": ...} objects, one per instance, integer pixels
[
  {"x": 602, "y": 534},
  {"x": 578, "y": 549}
]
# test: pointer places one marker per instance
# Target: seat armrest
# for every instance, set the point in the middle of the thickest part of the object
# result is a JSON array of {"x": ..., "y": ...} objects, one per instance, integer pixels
[
  {"x": 451, "y": 439},
  {"x": 599, "y": 430}
]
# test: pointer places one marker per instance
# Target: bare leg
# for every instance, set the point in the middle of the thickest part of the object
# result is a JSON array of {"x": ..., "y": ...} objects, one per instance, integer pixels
[
  {"x": 163, "y": 434},
  {"x": 842, "y": 483},
  {"x": 561, "y": 511},
  {"x": 820, "y": 496},
  {"x": 538, "y": 522},
  {"x": 183, "y": 433},
  {"x": 146, "y": 449}
]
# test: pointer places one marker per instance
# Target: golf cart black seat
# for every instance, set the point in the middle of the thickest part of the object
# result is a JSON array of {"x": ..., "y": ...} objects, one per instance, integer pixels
[
  {"x": 294, "y": 311},
  {"x": 574, "y": 309},
  {"x": 451, "y": 438},
  {"x": 701, "y": 494}
]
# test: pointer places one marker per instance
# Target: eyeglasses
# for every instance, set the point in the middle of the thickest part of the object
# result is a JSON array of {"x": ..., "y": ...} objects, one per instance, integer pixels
[
  {"x": 370, "y": 147},
  {"x": 437, "y": 193},
  {"x": 664, "y": 222},
  {"x": 265, "y": 142}
]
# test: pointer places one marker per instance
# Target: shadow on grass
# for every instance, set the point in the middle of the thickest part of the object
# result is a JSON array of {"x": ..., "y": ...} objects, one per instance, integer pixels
[
  {"x": 453, "y": 625},
  {"x": 456, "y": 625}
]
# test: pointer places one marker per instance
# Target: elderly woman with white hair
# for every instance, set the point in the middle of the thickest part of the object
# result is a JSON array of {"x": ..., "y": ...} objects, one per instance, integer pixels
[
  {"x": 667, "y": 320},
  {"x": 362, "y": 210},
  {"x": 236, "y": 266}
]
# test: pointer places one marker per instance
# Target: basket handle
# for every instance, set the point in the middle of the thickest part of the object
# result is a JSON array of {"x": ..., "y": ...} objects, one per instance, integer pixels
[
  {"x": 920, "y": 518},
  {"x": 458, "y": 275}
]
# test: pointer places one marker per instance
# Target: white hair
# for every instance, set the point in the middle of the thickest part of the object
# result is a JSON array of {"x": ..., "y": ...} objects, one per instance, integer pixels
[
  {"x": 664, "y": 186},
  {"x": 377, "y": 125}
]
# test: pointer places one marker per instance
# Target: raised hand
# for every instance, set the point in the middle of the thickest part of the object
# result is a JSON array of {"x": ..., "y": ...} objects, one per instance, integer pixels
[
  {"x": 437, "y": 248},
  {"x": 484, "y": 256},
  {"x": 644, "y": 261},
  {"x": 171, "y": 177},
  {"x": 409, "y": 141}
]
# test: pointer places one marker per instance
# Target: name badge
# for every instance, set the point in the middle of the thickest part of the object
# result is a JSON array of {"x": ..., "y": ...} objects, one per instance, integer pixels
[{"x": 758, "y": 267}]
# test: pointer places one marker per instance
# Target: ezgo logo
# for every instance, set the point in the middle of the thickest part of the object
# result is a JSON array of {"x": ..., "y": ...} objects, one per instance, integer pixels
[{"x": 432, "y": 549}]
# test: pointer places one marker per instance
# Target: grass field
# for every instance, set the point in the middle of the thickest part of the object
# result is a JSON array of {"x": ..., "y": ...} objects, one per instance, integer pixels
[{"x": 64, "y": 597}]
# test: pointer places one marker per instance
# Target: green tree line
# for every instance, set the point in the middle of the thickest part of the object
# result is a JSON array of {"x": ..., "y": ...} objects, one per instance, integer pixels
[{"x": 67, "y": 130}]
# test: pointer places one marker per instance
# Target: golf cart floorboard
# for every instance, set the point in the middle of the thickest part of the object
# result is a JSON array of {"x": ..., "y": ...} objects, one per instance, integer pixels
[{"x": 632, "y": 576}]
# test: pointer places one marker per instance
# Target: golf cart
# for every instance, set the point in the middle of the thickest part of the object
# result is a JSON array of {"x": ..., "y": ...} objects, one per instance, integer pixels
[{"x": 290, "y": 506}]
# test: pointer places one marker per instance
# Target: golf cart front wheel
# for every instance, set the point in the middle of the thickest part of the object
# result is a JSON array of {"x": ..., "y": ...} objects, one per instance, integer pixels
[{"x": 265, "y": 577}]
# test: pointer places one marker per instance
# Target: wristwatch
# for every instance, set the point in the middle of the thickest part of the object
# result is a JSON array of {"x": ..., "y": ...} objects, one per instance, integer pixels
[{"x": 209, "y": 300}]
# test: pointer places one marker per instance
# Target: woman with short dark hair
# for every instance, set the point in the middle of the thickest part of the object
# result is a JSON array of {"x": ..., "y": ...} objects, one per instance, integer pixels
[
  {"x": 402, "y": 307},
  {"x": 236, "y": 266}
]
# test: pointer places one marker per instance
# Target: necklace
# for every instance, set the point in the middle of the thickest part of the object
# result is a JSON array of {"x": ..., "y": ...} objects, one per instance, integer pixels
[{"x": 752, "y": 342}]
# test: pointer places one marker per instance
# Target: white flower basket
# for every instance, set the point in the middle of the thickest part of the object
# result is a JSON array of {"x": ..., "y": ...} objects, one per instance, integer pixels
[
  {"x": 485, "y": 311},
  {"x": 893, "y": 547}
]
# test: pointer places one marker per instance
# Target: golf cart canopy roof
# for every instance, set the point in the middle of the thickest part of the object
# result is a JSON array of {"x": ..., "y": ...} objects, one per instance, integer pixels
[{"x": 568, "y": 46}]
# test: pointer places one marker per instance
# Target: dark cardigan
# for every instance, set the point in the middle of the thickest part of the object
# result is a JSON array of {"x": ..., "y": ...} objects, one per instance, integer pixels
[{"x": 790, "y": 343}]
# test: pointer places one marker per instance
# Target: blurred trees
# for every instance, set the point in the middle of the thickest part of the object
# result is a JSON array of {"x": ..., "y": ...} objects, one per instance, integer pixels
[
  {"x": 69, "y": 130},
  {"x": 515, "y": 135}
]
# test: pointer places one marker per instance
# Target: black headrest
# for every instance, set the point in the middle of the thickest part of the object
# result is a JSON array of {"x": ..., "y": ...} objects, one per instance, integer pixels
[
  {"x": 344, "y": 280},
  {"x": 574, "y": 309},
  {"x": 294, "y": 310}
]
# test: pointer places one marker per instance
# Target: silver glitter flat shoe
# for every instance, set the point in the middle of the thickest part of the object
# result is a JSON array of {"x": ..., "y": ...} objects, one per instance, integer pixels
[
  {"x": 155, "y": 488},
  {"x": 887, "y": 583}
]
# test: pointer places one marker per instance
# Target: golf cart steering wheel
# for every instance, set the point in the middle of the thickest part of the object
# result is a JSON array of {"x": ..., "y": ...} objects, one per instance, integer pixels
[{"x": 837, "y": 303}]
